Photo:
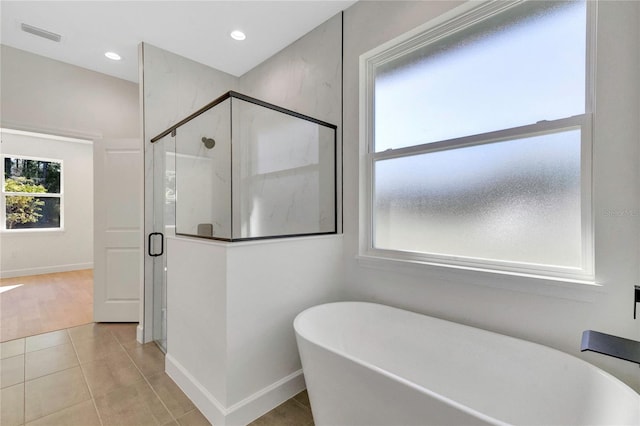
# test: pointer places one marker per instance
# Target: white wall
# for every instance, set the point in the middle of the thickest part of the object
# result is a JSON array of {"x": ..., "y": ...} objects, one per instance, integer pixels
[
  {"x": 38, "y": 252},
  {"x": 197, "y": 326},
  {"x": 47, "y": 96},
  {"x": 231, "y": 306},
  {"x": 270, "y": 282},
  {"x": 554, "y": 314},
  {"x": 41, "y": 94}
]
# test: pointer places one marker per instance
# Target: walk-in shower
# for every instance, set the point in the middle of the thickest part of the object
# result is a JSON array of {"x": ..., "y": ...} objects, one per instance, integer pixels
[{"x": 244, "y": 169}]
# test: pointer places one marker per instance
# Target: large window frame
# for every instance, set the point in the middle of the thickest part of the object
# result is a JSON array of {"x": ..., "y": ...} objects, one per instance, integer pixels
[
  {"x": 5, "y": 194},
  {"x": 459, "y": 19}
]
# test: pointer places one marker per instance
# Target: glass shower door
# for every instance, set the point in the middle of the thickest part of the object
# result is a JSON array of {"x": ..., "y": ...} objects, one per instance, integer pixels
[{"x": 164, "y": 197}]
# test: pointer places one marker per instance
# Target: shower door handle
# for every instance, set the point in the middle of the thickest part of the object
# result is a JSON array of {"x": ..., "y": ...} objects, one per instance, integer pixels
[{"x": 161, "y": 244}]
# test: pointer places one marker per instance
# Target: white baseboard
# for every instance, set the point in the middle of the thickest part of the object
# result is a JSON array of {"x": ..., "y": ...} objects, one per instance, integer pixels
[
  {"x": 241, "y": 413},
  {"x": 140, "y": 333},
  {"x": 45, "y": 270}
]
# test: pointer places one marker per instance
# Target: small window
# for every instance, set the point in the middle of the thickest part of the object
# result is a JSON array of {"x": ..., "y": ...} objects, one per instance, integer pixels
[
  {"x": 478, "y": 138},
  {"x": 31, "y": 193}
]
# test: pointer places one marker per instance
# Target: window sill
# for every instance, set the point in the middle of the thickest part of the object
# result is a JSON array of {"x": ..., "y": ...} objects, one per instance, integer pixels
[
  {"x": 31, "y": 231},
  {"x": 564, "y": 288}
]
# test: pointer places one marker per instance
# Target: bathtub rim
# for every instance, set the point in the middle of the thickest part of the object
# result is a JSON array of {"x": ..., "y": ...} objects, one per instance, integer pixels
[
  {"x": 299, "y": 335},
  {"x": 395, "y": 377}
]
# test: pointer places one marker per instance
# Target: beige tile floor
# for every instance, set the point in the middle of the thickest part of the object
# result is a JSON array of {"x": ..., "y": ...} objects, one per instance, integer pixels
[{"x": 97, "y": 374}]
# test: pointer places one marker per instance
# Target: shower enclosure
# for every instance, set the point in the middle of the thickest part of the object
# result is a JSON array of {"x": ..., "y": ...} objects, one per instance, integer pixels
[
  {"x": 244, "y": 169},
  {"x": 240, "y": 169}
]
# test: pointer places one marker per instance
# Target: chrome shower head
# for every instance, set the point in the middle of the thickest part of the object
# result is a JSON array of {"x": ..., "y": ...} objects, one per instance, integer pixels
[{"x": 208, "y": 142}]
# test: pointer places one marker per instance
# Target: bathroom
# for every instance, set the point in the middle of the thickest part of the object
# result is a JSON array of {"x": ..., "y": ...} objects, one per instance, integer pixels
[
  {"x": 228, "y": 328},
  {"x": 321, "y": 75}
]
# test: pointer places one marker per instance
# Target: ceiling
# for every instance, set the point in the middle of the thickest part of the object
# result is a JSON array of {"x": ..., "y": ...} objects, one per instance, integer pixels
[{"x": 198, "y": 30}]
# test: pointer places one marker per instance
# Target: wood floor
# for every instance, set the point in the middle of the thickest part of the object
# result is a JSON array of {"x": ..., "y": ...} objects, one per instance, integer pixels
[{"x": 43, "y": 303}]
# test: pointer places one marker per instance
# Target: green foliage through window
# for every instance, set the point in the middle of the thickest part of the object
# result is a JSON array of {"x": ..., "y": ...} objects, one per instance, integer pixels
[
  {"x": 22, "y": 209},
  {"x": 23, "y": 177},
  {"x": 45, "y": 173}
]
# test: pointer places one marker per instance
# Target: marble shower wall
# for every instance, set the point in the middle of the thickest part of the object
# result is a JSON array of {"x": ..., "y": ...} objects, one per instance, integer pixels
[
  {"x": 305, "y": 77},
  {"x": 175, "y": 87},
  {"x": 283, "y": 173}
]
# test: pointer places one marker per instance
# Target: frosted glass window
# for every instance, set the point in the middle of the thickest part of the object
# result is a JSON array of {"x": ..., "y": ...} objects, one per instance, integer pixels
[
  {"x": 479, "y": 143},
  {"x": 517, "y": 201},
  {"x": 521, "y": 66}
]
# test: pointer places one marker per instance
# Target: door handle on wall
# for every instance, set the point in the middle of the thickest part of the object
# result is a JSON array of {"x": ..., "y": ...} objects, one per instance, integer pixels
[{"x": 161, "y": 244}]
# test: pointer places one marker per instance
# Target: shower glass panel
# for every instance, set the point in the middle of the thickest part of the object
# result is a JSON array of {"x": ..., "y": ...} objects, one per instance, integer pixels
[
  {"x": 284, "y": 173},
  {"x": 246, "y": 169},
  {"x": 164, "y": 170},
  {"x": 203, "y": 174}
]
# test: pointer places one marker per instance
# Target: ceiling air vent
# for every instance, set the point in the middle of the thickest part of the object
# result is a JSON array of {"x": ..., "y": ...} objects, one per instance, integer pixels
[{"x": 40, "y": 32}]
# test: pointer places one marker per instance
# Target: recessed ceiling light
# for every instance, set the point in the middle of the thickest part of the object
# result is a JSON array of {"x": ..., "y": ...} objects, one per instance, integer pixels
[
  {"x": 238, "y": 35},
  {"x": 113, "y": 55}
]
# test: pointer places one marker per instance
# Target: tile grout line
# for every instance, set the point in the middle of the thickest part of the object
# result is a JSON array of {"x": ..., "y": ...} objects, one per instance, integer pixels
[
  {"x": 84, "y": 377},
  {"x": 45, "y": 332},
  {"x": 24, "y": 383},
  {"x": 45, "y": 348},
  {"x": 299, "y": 403},
  {"x": 312, "y": 422},
  {"x": 92, "y": 398},
  {"x": 24, "y": 371},
  {"x": 53, "y": 372},
  {"x": 146, "y": 380}
]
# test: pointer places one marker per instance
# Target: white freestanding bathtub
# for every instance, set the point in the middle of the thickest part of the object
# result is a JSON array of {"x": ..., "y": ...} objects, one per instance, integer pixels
[{"x": 367, "y": 364}]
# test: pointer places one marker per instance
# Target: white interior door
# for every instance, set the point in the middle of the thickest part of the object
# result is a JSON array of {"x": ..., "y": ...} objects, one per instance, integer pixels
[{"x": 117, "y": 230}]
